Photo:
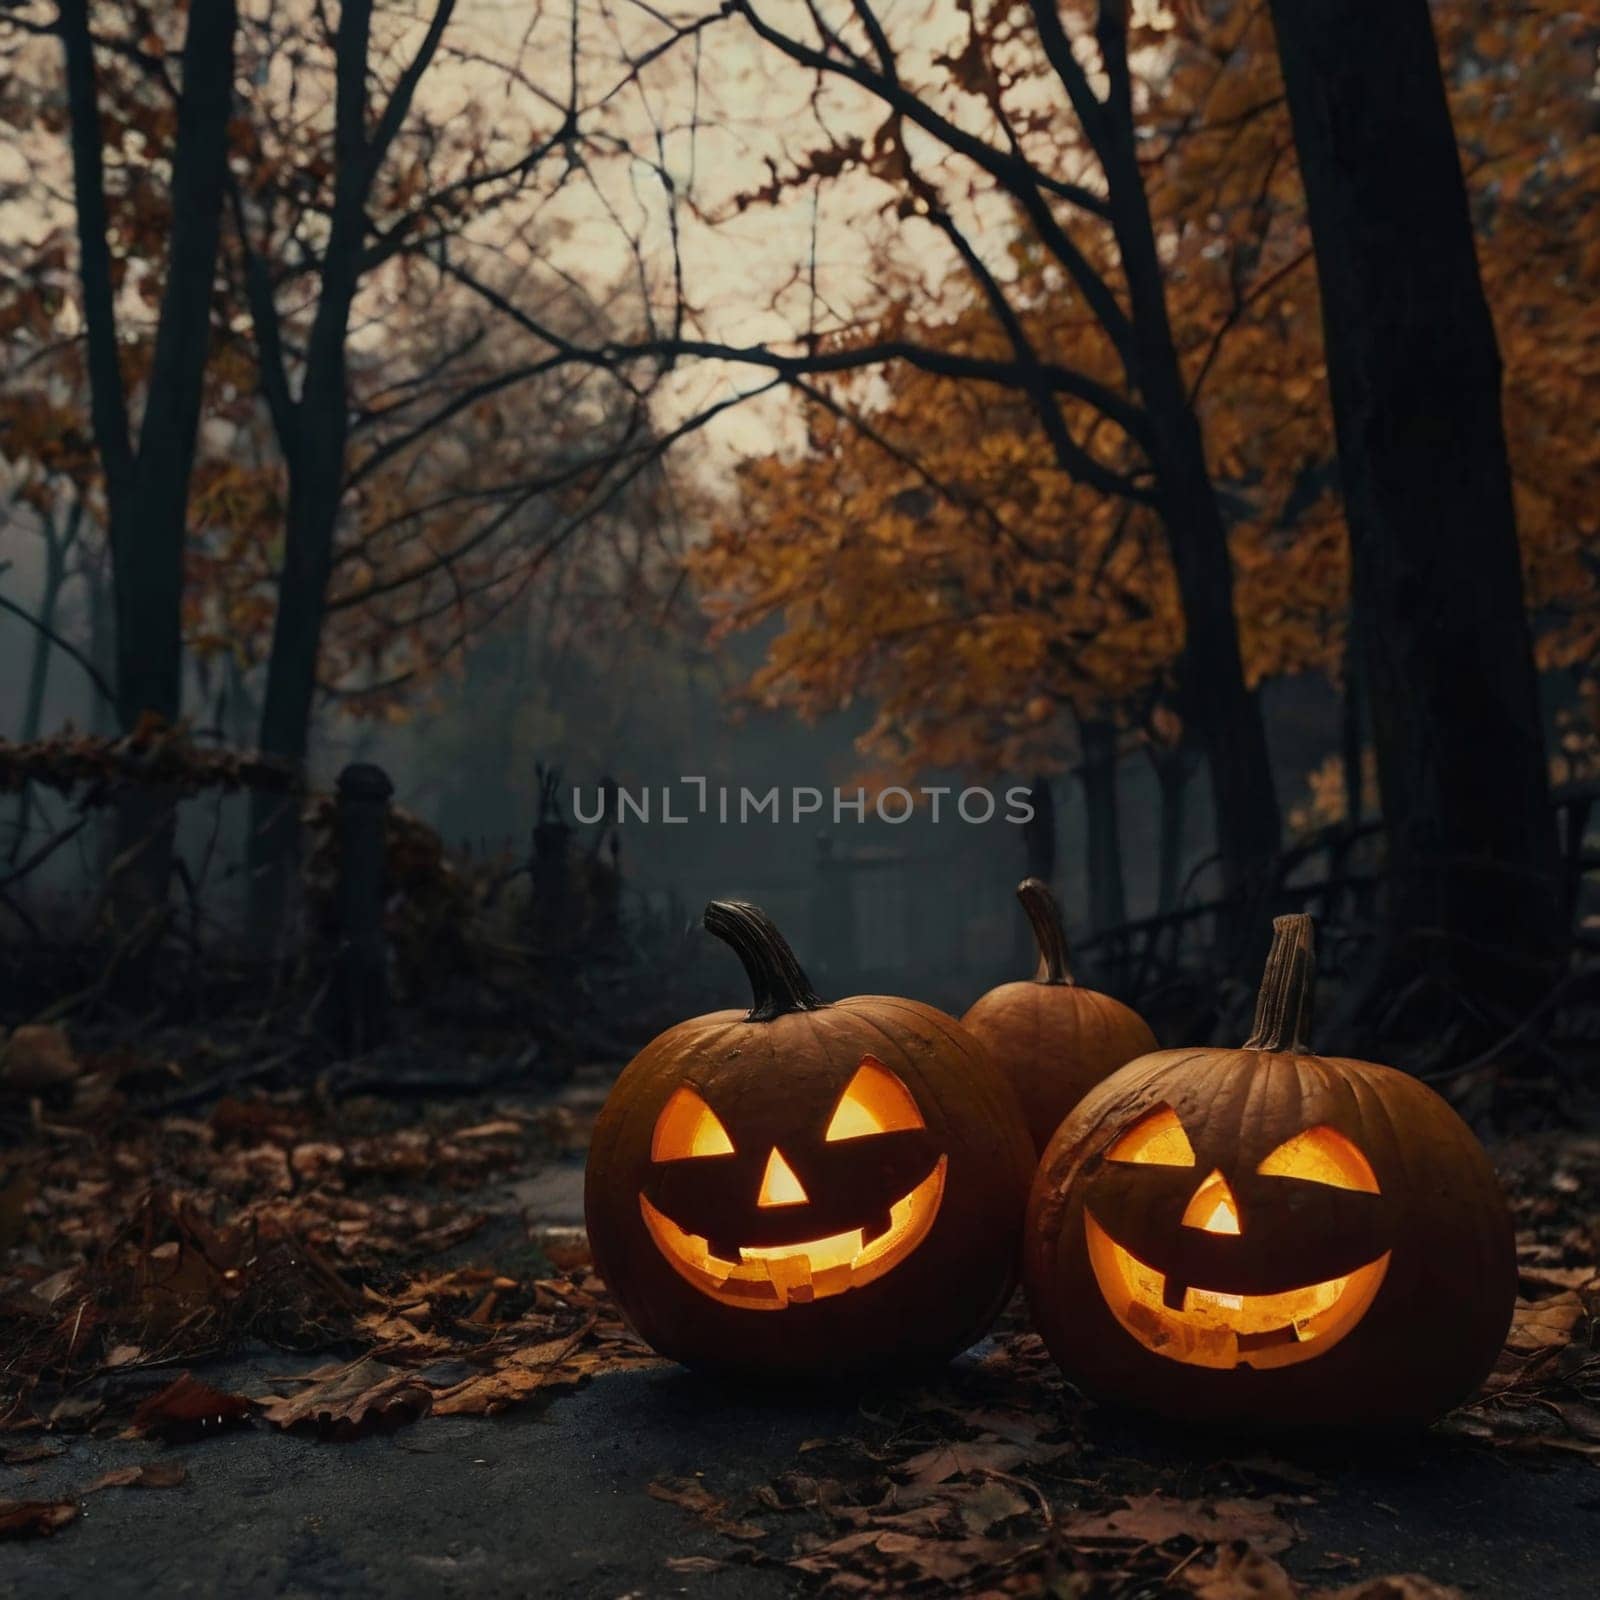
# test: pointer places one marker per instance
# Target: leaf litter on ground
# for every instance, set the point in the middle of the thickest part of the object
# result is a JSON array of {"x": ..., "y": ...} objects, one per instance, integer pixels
[{"x": 137, "y": 1246}]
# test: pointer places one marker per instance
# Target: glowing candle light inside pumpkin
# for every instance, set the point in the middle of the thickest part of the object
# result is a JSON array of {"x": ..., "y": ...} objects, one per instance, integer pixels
[
  {"x": 1212, "y": 1209},
  {"x": 779, "y": 1184}
]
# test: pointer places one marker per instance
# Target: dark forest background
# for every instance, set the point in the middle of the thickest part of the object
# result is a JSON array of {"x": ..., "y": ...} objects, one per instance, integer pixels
[{"x": 1186, "y": 413}]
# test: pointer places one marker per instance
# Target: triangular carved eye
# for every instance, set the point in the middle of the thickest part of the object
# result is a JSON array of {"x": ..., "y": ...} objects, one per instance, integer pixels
[
  {"x": 688, "y": 1127},
  {"x": 1156, "y": 1139},
  {"x": 1322, "y": 1155},
  {"x": 874, "y": 1101}
]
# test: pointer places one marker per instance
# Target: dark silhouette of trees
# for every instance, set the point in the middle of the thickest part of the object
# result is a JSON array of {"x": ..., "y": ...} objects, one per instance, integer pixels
[
  {"x": 312, "y": 426},
  {"x": 147, "y": 477},
  {"x": 1415, "y": 376}
]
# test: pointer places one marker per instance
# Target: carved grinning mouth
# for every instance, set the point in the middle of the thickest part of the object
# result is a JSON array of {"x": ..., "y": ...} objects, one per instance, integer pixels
[
  {"x": 768, "y": 1278},
  {"x": 1214, "y": 1328}
]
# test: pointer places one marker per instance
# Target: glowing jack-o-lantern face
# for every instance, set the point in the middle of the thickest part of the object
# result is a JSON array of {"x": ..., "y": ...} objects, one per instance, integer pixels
[
  {"x": 1269, "y": 1236},
  {"x": 1193, "y": 1309},
  {"x": 787, "y": 1261},
  {"x": 856, "y": 1171}
]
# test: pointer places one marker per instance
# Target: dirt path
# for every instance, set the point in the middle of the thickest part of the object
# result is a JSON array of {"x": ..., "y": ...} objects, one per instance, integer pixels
[{"x": 557, "y": 1502}]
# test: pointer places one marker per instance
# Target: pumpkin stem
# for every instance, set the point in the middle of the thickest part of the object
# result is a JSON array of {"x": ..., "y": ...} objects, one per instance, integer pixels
[
  {"x": 778, "y": 983},
  {"x": 1283, "y": 1007},
  {"x": 1048, "y": 932}
]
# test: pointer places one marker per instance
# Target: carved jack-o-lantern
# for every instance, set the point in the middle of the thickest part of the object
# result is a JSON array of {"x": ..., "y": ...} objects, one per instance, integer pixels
[
  {"x": 1054, "y": 1039},
  {"x": 1267, "y": 1235},
  {"x": 807, "y": 1186}
]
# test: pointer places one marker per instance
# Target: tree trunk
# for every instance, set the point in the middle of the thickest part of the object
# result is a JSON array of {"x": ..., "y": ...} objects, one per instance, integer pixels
[
  {"x": 102, "y": 638},
  {"x": 1414, "y": 372},
  {"x": 313, "y": 432},
  {"x": 1039, "y": 833},
  {"x": 55, "y": 572},
  {"x": 1173, "y": 769},
  {"x": 274, "y": 851},
  {"x": 1107, "y": 903},
  {"x": 147, "y": 488},
  {"x": 1225, "y": 714},
  {"x": 1351, "y": 736}
]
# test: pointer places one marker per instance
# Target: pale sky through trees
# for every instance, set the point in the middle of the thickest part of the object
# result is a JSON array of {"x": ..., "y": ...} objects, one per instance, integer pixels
[{"x": 724, "y": 112}]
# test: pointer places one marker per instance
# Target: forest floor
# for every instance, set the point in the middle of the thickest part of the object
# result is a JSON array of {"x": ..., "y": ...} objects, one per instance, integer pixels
[{"x": 296, "y": 1344}]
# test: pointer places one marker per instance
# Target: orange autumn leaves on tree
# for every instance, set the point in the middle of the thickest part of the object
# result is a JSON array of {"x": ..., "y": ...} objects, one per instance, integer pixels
[
  {"x": 939, "y": 566},
  {"x": 1524, "y": 93},
  {"x": 1522, "y": 89},
  {"x": 971, "y": 592}
]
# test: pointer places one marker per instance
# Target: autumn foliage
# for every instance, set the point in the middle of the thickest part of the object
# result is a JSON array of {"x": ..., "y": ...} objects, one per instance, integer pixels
[{"x": 923, "y": 552}]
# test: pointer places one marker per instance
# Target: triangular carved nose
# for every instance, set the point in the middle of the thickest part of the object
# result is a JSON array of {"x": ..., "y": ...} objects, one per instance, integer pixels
[
  {"x": 1212, "y": 1207},
  {"x": 779, "y": 1184}
]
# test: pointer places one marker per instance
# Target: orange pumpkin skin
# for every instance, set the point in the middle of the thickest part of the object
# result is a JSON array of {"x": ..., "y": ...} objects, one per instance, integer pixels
[
  {"x": 775, "y": 1082},
  {"x": 1054, "y": 1040},
  {"x": 1411, "y": 1254}
]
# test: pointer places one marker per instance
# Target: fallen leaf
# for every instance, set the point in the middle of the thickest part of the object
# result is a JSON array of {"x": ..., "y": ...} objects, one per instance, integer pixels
[
  {"x": 694, "y": 1564},
  {"x": 29, "y": 1519},
  {"x": 22, "y": 1455},
  {"x": 1241, "y": 1572},
  {"x": 1155, "y": 1518},
  {"x": 1557, "y": 1277},
  {"x": 187, "y": 1409},
  {"x": 946, "y": 1461},
  {"x": 693, "y": 1496},
  {"x": 345, "y": 1402},
  {"x": 904, "y": 1555},
  {"x": 143, "y": 1475},
  {"x": 988, "y": 1504},
  {"x": 1402, "y": 1586},
  {"x": 504, "y": 1128},
  {"x": 1542, "y": 1324},
  {"x": 518, "y": 1375},
  {"x": 689, "y": 1493}
]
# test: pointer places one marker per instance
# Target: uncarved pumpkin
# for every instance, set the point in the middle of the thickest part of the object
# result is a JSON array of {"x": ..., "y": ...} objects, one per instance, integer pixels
[
  {"x": 1052, "y": 1038},
  {"x": 804, "y": 1188},
  {"x": 1268, "y": 1236}
]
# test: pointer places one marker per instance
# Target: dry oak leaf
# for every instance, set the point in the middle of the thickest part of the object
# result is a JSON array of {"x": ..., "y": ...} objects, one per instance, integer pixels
[
  {"x": 188, "y": 1409},
  {"x": 518, "y": 1375},
  {"x": 985, "y": 1506},
  {"x": 1558, "y": 1277},
  {"x": 344, "y": 1402},
  {"x": 946, "y": 1461},
  {"x": 914, "y": 1556},
  {"x": 27, "y": 1519},
  {"x": 142, "y": 1475},
  {"x": 693, "y": 1496},
  {"x": 1543, "y": 1324},
  {"x": 1242, "y": 1572},
  {"x": 1155, "y": 1518}
]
